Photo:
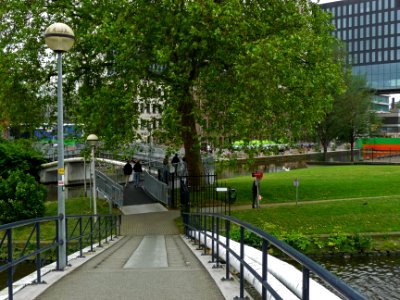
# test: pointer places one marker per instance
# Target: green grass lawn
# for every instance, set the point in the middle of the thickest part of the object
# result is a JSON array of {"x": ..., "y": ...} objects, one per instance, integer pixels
[
  {"x": 322, "y": 183},
  {"x": 77, "y": 206}
]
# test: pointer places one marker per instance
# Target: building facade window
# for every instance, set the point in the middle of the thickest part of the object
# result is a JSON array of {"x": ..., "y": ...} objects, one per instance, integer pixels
[{"x": 371, "y": 30}]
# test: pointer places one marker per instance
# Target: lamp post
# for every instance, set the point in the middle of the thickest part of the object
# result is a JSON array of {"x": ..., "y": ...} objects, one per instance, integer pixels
[
  {"x": 92, "y": 140},
  {"x": 60, "y": 38}
]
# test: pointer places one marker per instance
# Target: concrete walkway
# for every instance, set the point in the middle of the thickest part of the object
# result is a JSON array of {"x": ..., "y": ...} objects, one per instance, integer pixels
[{"x": 150, "y": 261}]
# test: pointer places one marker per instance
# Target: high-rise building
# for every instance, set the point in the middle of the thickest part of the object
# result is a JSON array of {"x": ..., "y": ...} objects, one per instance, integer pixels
[{"x": 371, "y": 31}]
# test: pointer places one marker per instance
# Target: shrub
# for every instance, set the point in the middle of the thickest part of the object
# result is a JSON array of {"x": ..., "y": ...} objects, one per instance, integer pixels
[
  {"x": 21, "y": 197},
  {"x": 250, "y": 239},
  {"x": 296, "y": 240},
  {"x": 19, "y": 155}
]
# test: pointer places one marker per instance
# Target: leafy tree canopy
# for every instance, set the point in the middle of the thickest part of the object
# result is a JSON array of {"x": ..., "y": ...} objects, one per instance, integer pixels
[{"x": 240, "y": 70}]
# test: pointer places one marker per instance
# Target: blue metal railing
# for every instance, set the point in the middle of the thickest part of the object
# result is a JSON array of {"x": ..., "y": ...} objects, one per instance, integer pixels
[
  {"x": 217, "y": 229},
  {"x": 20, "y": 246}
]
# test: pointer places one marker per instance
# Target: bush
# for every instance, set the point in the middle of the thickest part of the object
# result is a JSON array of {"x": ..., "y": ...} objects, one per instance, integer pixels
[
  {"x": 21, "y": 197},
  {"x": 19, "y": 155}
]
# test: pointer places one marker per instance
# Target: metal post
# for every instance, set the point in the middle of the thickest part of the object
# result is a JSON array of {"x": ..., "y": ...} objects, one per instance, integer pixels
[
  {"x": 94, "y": 186},
  {"x": 62, "y": 248},
  {"x": 84, "y": 176}
]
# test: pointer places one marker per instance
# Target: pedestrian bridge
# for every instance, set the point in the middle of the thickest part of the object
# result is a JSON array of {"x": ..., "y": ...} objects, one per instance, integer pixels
[{"x": 151, "y": 259}]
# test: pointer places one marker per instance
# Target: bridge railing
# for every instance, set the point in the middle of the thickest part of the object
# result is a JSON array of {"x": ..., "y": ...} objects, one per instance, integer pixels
[
  {"x": 213, "y": 231},
  {"x": 37, "y": 240},
  {"x": 113, "y": 191},
  {"x": 156, "y": 188}
]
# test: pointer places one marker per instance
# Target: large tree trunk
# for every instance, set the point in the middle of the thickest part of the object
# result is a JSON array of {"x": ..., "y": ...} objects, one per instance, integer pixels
[
  {"x": 190, "y": 135},
  {"x": 325, "y": 146}
]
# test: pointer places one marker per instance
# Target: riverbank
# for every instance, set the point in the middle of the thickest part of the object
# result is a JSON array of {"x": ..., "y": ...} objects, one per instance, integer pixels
[{"x": 338, "y": 243}]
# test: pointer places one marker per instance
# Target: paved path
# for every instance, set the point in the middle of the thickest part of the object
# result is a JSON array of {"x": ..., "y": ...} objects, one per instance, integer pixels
[{"x": 151, "y": 261}]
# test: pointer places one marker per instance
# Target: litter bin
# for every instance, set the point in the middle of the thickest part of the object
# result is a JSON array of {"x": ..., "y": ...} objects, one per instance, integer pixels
[{"x": 232, "y": 195}]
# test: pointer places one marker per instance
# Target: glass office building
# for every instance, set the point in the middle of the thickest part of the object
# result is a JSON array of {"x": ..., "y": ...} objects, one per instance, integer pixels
[{"x": 371, "y": 31}]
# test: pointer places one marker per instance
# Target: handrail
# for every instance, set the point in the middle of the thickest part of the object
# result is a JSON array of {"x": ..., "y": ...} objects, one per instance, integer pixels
[
  {"x": 156, "y": 189},
  {"x": 105, "y": 226},
  {"x": 209, "y": 225},
  {"x": 111, "y": 189}
]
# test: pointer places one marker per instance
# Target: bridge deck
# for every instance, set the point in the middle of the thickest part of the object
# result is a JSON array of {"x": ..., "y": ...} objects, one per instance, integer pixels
[{"x": 150, "y": 261}]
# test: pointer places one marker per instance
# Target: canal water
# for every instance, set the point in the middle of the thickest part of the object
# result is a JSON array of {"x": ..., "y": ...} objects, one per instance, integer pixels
[{"x": 375, "y": 277}]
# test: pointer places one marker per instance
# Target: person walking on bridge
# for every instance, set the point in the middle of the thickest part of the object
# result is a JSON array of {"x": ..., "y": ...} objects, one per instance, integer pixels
[
  {"x": 127, "y": 172},
  {"x": 174, "y": 162},
  {"x": 137, "y": 168}
]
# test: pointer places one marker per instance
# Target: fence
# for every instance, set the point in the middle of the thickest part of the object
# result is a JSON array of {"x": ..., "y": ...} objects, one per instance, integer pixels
[
  {"x": 37, "y": 239},
  {"x": 387, "y": 155},
  {"x": 202, "y": 194},
  {"x": 212, "y": 231}
]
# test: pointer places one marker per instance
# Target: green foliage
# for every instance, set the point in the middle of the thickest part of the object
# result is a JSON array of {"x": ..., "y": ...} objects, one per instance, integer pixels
[
  {"x": 19, "y": 155},
  {"x": 296, "y": 240},
  {"x": 340, "y": 242},
  {"x": 250, "y": 239},
  {"x": 21, "y": 197},
  {"x": 336, "y": 242},
  {"x": 362, "y": 242}
]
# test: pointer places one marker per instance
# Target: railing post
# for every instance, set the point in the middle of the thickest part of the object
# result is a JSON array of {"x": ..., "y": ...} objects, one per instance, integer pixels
[
  {"x": 198, "y": 227},
  {"x": 80, "y": 238},
  {"x": 241, "y": 262},
  {"x": 217, "y": 243},
  {"x": 38, "y": 259},
  {"x": 111, "y": 227},
  {"x": 98, "y": 222},
  {"x": 173, "y": 200},
  {"x": 66, "y": 240},
  {"x": 264, "y": 270},
  {"x": 306, "y": 284},
  {"x": 204, "y": 235},
  {"x": 10, "y": 269},
  {"x": 91, "y": 233},
  {"x": 227, "y": 250},
  {"x": 212, "y": 238},
  {"x": 105, "y": 229}
]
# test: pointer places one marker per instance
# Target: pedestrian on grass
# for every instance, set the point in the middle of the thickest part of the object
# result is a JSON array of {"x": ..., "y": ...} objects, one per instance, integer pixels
[{"x": 256, "y": 193}]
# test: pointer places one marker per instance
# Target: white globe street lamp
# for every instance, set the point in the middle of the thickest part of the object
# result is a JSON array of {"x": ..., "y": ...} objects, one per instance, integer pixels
[
  {"x": 92, "y": 140},
  {"x": 60, "y": 38}
]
